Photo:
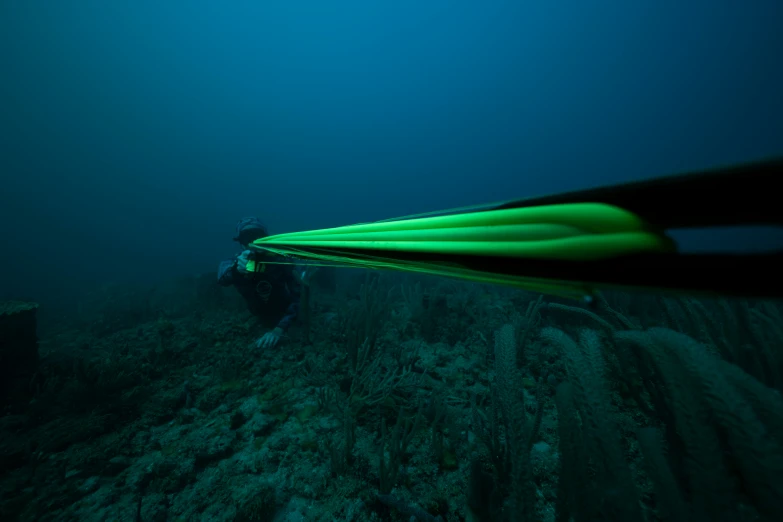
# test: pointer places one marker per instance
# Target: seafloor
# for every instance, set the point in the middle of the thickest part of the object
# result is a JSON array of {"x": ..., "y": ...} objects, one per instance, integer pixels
[{"x": 398, "y": 398}]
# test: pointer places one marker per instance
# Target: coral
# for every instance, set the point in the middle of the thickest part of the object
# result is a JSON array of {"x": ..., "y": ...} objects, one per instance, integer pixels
[
  {"x": 260, "y": 508},
  {"x": 399, "y": 402}
]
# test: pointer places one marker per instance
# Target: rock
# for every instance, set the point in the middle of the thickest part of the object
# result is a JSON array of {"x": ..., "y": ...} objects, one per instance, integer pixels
[
  {"x": 89, "y": 485},
  {"x": 18, "y": 351},
  {"x": 217, "y": 447},
  {"x": 541, "y": 448},
  {"x": 153, "y": 508},
  {"x": 117, "y": 465},
  {"x": 72, "y": 473},
  {"x": 261, "y": 424}
]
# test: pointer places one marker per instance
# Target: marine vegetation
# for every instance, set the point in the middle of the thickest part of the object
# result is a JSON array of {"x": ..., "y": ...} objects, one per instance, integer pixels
[{"x": 400, "y": 398}]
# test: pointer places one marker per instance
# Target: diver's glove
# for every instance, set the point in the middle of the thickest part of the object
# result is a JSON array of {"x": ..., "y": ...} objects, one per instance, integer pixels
[
  {"x": 242, "y": 260},
  {"x": 270, "y": 339}
]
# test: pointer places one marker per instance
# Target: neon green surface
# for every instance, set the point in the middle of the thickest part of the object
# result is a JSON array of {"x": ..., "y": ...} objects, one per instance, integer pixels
[
  {"x": 578, "y": 232},
  {"x": 525, "y": 232},
  {"x": 587, "y": 217},
  {"x": 585, "y": 247}
]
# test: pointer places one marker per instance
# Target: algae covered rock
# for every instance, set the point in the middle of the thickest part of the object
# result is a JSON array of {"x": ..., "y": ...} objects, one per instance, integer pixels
[{"x": 18, "y": 350}]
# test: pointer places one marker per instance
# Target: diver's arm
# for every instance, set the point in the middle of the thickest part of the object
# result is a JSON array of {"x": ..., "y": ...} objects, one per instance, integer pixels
[
  {"x": 290, "y": 314},
  {"x": 227, "y": 272}
]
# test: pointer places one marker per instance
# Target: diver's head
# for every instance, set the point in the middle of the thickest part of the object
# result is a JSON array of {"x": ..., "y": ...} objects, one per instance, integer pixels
[{"x": 248, "y": 230}]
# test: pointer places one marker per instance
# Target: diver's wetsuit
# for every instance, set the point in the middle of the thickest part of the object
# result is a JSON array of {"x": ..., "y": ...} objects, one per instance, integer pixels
[{"x": 269, "y": 294}]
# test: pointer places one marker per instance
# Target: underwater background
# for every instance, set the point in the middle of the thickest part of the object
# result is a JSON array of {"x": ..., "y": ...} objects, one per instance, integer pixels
[{"x": 133, "y": 138}]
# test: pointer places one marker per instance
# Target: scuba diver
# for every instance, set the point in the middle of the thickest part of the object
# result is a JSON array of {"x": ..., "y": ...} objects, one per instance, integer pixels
[{"x": 271, "y": 291}]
